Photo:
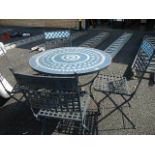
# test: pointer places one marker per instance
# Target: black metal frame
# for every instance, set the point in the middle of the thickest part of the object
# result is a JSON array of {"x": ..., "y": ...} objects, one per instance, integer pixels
[
  {"x": 55, "y": 97},
  {"x": 151, "y": 68},
  {"x": 119, "y": 86}
]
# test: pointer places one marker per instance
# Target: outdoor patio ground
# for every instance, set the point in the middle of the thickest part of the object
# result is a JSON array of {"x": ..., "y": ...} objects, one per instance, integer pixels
[{"x": 16, "y": 118}]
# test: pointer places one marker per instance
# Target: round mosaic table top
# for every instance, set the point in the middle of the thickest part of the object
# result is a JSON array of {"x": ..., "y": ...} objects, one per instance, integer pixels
[{"x": 68, "y": 61}]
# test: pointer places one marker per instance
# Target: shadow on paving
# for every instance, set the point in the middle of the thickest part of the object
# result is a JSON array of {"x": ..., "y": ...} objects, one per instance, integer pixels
[
  {"x": 75, "y": 42},
  {"x": 74, "y": 128},
  {"x": 130, "y": 49},
  {"x": 17, "y": 119},
  {"x": 2, "y": 101},
  {"x": 112, "y": 37}
]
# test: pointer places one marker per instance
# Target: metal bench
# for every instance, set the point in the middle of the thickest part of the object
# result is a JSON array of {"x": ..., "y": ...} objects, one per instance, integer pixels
[
  {"x": 54, "y": 97},
  {"x": 57, "y": 38},
  {"x": 111, "y": 84}
]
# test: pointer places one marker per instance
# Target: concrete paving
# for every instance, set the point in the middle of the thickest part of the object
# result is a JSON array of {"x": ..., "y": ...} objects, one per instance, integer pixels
[{"x": 16, "y": 118}]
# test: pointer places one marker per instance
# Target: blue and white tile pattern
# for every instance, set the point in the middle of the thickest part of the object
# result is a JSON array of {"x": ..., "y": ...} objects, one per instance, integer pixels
[{"x": 70, "y": 61}]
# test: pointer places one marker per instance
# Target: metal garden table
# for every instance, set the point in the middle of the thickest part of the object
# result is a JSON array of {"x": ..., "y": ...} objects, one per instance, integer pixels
[{"x": 71, "y": 61}]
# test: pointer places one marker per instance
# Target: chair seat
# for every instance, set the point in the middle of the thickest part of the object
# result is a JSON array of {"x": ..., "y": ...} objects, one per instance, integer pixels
[
  {"x": 69, "y": 115},
  {"x": 111, "y": 84},
  {"x": 60, "y": 115}
]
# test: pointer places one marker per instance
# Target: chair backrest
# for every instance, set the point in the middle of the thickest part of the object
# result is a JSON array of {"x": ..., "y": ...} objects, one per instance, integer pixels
[
  {"x": 57, "y": 35},
  {"x": 54, "y": 93},
  {"x": 143, "y": 58},
  {"x": 2, "y": 49},
  {"x": 57, "y": 39}
]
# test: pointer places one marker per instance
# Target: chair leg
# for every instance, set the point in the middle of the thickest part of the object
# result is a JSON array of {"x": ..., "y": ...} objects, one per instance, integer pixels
[
  {"x": 101, "y": 100},
  {"x": 96, "y": 125},
  {"x": 117, "y": 107},
  {"x": 123, "y": 119},
  {"x": 85, "y": 127},
  {"x": 126, "y": 101},
  {"x": 43, "y": 127},
  {"x": 97, "y": 103},
  {"x": 83, "y": 130},
  {"x": 12, "y": 95},
  {"x": 18, "y": 100}
]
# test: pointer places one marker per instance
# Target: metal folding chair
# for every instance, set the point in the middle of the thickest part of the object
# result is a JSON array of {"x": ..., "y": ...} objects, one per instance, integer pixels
[
  {"x": 108, "y": 85},
  {"x": 55, "y": 97},
  {"x": 151, "y": 68},
  {"x": 8, "y": 90},
  {"x": 57, "y": 39}
]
